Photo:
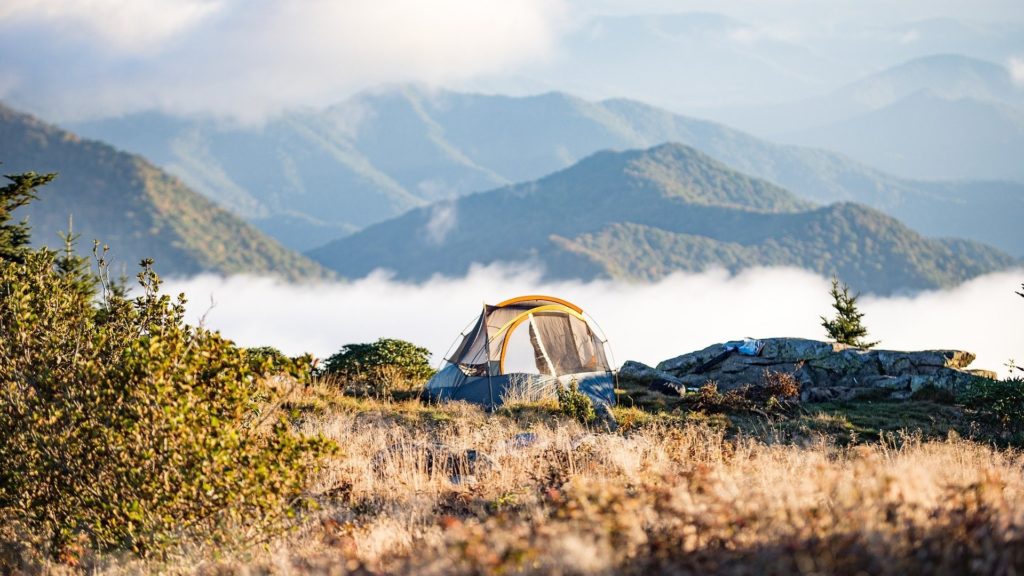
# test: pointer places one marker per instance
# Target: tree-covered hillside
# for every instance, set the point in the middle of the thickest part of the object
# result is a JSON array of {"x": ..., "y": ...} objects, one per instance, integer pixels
[
  {"x": 134, "y": 207},
  {"x": 643, "y": 214}
]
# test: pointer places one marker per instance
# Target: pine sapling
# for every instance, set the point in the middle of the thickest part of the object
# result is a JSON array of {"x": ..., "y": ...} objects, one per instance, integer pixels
[{"x": 846, "y": 327}]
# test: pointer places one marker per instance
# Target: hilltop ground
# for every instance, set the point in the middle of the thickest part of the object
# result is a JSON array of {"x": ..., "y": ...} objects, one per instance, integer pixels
[
  {"x": 685, "y": 485},
  {"x": 131, "y": 442}
]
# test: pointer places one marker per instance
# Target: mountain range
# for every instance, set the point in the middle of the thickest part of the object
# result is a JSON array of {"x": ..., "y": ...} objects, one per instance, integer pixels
[
  {"x": 135, "y": 208},
  {"x": 927, "y": 136},
  {"x": 307, "y": 177},
  {"x": 640, "y": 215},
  {"x": 704, "y": 63},
  {"x": 938, "y": 117}
]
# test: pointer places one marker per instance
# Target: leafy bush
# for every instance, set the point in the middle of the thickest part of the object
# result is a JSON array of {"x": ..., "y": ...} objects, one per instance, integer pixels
[
  {"x": 121, "y": 427},
  {"x": 575, "y": 404},
  {"x": 270, "y": 360},
  {"x": 999, "y": 401},
  {"x": 380, "y": 366}
]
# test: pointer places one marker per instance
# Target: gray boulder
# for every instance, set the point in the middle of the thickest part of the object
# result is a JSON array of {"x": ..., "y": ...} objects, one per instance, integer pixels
[
  {"x": 657, "y": 380},
  {"x": 825, "y": 370}
]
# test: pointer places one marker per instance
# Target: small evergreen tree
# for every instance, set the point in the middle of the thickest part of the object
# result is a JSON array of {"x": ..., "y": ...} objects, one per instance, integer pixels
[
  {"x": 74, "y": 268},
  {"x": 14, "y": 238},
  {"x": 846, "y": 327}
]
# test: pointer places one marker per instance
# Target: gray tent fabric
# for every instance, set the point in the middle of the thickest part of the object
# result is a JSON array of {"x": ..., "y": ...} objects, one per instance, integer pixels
[
  {"x": 564, "y": 348},
  {"x": 492, "y": 391},
  {"x": 544, "y": 364}
]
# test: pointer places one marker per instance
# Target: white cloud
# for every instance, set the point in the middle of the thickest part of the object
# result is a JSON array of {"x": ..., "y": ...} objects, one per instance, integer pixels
[
  {"x": 121, "y": 24},
  {"x": 815, "y": 13},
  {"x": 1015, "y": 66},
  {"x": 249, "y": 58},
  {"x": 443, "y": 218},
  {"x": 646, "y": 322},
  {"x": 751, "y": 35},
  {"x": 910, "y": 36}
]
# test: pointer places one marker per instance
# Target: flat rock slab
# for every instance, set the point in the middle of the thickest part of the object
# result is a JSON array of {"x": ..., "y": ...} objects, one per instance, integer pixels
[{"x": 825, "y": 370}]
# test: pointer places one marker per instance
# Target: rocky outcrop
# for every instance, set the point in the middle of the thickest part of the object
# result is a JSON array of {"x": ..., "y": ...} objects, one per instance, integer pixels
[
  {"x": 657, "y": 380},
  {"x": 825, "y": 371}
]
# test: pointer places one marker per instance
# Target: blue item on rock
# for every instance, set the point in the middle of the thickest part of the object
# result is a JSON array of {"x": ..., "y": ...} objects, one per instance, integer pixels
[{"x": 746, "y": 347}]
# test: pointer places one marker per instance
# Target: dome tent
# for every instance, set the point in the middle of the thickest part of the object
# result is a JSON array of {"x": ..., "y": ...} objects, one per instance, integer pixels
[{"x": 525, "y": 348}]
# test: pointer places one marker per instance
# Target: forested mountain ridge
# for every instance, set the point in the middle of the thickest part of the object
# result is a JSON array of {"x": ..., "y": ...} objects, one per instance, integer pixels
[
  {"x": 134, "y": 207},
  {"x": 640, "y": 215}
]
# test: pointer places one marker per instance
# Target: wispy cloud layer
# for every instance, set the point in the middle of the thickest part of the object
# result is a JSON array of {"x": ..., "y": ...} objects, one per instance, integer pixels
[
  {"x": 250, "y": 58},
  {"x": 1016, "y": 68},
  {"x": 78, "y": 59},
  {"x": 121, "y": 25},
  {"x": 646, "y": 322}
]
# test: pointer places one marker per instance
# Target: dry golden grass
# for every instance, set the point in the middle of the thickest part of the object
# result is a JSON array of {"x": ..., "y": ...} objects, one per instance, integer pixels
[{"x": 660, "y": 497}]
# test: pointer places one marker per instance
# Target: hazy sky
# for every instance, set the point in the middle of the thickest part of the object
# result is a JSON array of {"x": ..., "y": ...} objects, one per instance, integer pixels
[
  {"x": 811, "y": 14},
  {"x": 73, "y": 59},
  {"x": 82, "y": 57}
]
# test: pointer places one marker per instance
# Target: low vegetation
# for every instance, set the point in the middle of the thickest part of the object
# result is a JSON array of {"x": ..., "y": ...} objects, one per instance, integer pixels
[
  {"x": 449, "y": 489},
  {"x": 379, "y": 368},
  {"x": 575, "y": 404},
  {"x": 999, "y": 402}
]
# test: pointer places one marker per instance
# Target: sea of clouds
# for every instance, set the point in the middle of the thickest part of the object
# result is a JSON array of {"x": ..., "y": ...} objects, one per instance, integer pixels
[{"x": 645, "y": 322}]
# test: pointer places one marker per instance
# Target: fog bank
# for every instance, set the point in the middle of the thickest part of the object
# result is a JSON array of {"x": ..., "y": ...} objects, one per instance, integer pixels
[{"x": 645, "y": 322}]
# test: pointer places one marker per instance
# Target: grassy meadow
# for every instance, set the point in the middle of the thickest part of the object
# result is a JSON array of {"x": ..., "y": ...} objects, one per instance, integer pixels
[{"x": 817, "y": 490}]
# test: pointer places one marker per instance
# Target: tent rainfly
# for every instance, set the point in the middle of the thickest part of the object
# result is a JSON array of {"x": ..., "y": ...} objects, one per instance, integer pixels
[{"x": 524, "y": 348}]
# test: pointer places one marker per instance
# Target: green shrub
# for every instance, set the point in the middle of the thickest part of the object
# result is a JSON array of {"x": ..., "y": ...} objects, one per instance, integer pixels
[
  {"x": 575, "y": 404},
  {"x": 380, "y": 366},
  {"x": 123, "y": 428},
  {"x": 999, "y": 401},
  {"x": 270, "y": 360}
]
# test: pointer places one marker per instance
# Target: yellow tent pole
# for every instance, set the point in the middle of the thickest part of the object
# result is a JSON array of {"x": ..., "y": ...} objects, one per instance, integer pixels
[{"x": 542, "y": 298}]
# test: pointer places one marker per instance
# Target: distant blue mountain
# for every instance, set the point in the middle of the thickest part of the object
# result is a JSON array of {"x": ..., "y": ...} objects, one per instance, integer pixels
[
  {"x": 931, "y": 137},
  {"x": 940, "y": 117},
  {"x": 311, "y": 176}
]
